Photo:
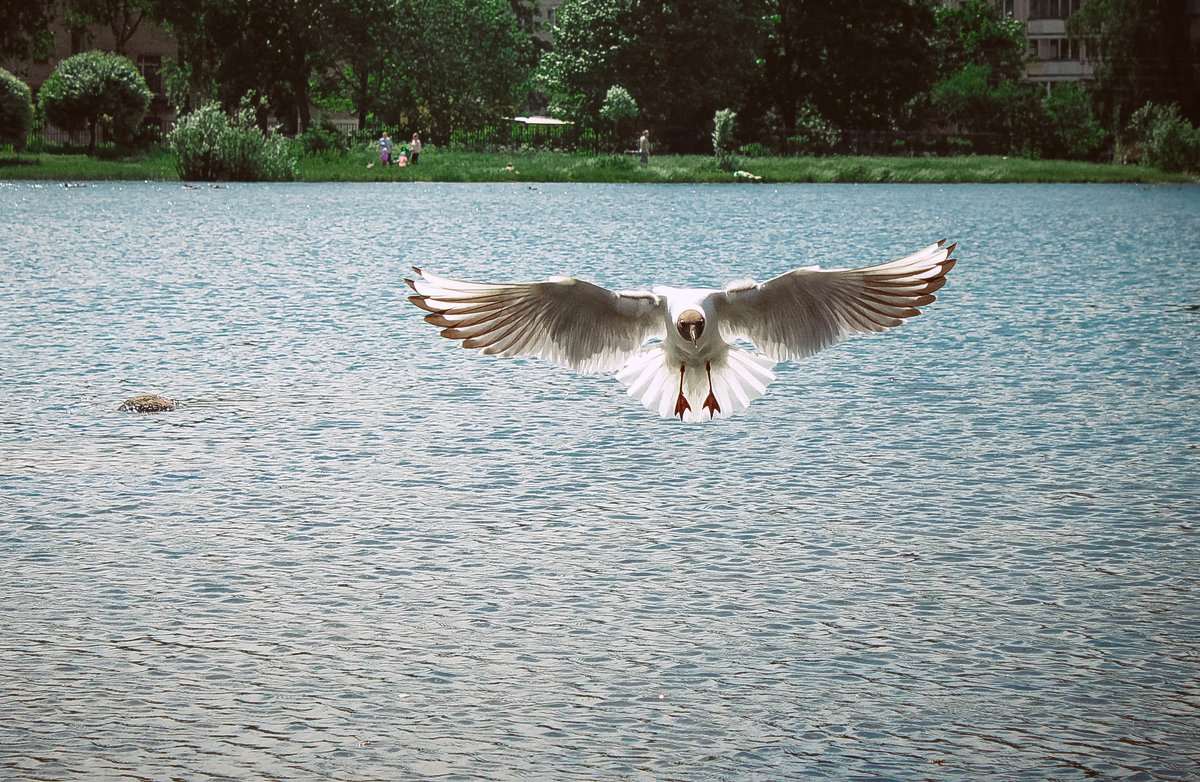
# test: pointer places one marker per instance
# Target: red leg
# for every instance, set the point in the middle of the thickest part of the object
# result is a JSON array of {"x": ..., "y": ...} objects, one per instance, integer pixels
[
  {"x": 681, "y": 404},
  {"x": 710, "y": 404}
]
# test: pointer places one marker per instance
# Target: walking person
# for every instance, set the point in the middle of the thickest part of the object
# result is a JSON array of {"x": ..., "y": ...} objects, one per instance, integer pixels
[
  {"x": 416, "y": 149},
  {"x": 644, "y": 146}
]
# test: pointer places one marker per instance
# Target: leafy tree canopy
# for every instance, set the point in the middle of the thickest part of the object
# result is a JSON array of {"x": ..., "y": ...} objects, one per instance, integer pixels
[
  {"x": 91, "y": 86},
  {"x": 856, "y": 63},
  {"x": 680, "y": 60},
  {"x": 16, "y": 111},
  {"x": 25, "y": 30},
  {"x": 978, "y": 33},
  {"x": 1143, "y": 55},
  {"x": 121, "y": 17},
  {"x": 458, "y": 64},
  {"x": 436, "y": 64}
]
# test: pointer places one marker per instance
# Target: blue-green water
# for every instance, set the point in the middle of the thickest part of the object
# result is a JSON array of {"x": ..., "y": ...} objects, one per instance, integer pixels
[{"x": 963, "y": 549}]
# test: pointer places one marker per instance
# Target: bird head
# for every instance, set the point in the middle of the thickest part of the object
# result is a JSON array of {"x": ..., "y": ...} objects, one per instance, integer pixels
[{"x": 690, "y": 324}]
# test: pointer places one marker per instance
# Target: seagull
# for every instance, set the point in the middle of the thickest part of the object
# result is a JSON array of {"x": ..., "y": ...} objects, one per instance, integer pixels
[{"x": 684, "y": 352}]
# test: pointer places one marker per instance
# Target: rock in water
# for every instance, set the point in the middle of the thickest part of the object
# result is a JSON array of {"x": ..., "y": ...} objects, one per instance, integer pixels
[{"x": 148, "y": 403}]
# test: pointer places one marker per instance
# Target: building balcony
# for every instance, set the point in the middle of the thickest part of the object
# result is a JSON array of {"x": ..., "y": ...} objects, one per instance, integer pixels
[
  {"x": 1046, "y": 27},
  {"x": 1059, "y": 70}
]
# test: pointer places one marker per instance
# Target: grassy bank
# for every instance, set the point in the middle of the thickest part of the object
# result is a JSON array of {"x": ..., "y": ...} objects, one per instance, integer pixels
[
  {"x": 444, "y": 166},
  {"x": 153, "y": 166}
]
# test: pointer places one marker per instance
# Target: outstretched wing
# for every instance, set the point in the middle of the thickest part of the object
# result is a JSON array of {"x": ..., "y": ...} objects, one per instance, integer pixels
[
  {"x": 806, "y": 310},
  {"x": 564, "y": 320}
]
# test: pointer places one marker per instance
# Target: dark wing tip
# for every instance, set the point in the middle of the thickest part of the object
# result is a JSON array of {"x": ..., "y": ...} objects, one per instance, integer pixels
[
  {"x": 420, "y": 302},
  {"x": 418, "y": 271}
]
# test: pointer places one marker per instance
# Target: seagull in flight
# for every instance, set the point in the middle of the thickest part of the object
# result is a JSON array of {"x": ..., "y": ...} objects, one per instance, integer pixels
[{"x": 683, "y": 351}]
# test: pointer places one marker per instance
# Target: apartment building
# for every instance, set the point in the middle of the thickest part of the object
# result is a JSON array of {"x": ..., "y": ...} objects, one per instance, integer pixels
[{"x": 1053, "y": 57}]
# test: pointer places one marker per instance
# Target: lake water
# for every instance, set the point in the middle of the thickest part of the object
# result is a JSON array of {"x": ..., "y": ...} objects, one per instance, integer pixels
[{"x": 963, "y": 549}]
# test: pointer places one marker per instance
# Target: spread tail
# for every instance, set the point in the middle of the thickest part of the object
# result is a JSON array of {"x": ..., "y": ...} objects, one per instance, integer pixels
[{"x": 738, "y": 380}]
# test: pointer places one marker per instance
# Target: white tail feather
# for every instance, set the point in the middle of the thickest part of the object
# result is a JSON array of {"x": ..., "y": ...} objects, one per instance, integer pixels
[{"x": 738, "y": 380}]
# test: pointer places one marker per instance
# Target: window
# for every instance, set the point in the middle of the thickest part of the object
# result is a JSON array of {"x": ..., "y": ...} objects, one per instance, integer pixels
[
  {"x": 1061, "y": 49},
  {"x": 1006, "y": 7},
  {"x": 150, "y": 66},
  {"x": 1050, "y": 9}
]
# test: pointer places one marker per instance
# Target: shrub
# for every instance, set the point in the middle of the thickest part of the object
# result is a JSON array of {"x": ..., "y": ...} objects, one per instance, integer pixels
[
  {"x": 722, "y": 135},
  {"x": 815, "y": 135},
  {"x": 1075, "y": 132},
  {"x": 323, "y": 139},
  {"x": 755, "y": 149},
  {"x": 16, "y": 110},
  {"x": 92, "y": 87},
  {"x": 1167, "y": 140},
  {"x": 209, "y": 145}
]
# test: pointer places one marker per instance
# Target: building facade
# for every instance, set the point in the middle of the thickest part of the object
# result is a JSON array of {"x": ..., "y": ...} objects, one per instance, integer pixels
[
  {"x": 146, "y": 45},
  {"x": 1053, "y": 57}
]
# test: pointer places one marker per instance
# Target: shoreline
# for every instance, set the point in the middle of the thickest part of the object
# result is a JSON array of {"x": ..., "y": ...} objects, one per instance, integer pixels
[{"x": 547, "y": 167}]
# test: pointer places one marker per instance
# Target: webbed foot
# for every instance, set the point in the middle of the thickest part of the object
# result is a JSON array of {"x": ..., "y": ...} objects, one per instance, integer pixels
[
  {"x": 710, "y": 402},
  {"x": 681, "y": 404}
]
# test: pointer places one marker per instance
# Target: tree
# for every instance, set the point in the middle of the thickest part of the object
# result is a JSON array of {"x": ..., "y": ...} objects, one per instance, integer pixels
[
  {"x": 366, "y": 32},
  {"x": 1142, "y": 54},
  {"x": 229, "y": 48},
  {"x": 16, "y": 110},
  {"x": 191, "y": 80},
  {"x": 855, "y": 63},
  {"x": 458, "y": 64},
  {"x": 122, "y": 17},
  {"x": 618, "y": 105},
  {"x": 980, "y": 62},
  {"x": 1075, "y": 131},
  {"x": 591, "y": 43},
  {"x": 272, "y": 48},
  {"x": 25, "y": 32},
  {"x": 680, "y": 60},
  {"x": 978, "y": 33},
  {"x": 89, "y": 87}
]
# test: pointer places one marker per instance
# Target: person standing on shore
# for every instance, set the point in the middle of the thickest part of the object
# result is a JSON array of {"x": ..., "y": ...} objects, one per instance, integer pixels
[
  {"x": 385, "y": 148},
  {"x": 416, "y": 149},
  {"x": 644, "y": 146}
]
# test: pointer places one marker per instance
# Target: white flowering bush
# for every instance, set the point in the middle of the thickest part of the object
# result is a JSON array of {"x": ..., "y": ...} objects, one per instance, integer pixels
[
  {"x": 722, "y": 135},
  {"x": 210, "y": 145},
  {"x": 1165, "y": 138}
]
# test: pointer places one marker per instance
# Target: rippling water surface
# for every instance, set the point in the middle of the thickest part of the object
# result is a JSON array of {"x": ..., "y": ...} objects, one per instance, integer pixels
[{"x": 963, "y": 549}]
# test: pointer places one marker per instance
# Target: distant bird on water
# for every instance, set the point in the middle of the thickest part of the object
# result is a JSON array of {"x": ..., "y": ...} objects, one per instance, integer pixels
[{"x": 691, "y": 367}]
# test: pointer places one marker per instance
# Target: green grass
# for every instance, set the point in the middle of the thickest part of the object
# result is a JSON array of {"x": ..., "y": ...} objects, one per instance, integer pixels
[
  {"x": 445, "y": 166},
  {"x": 153, "y": 166}
]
